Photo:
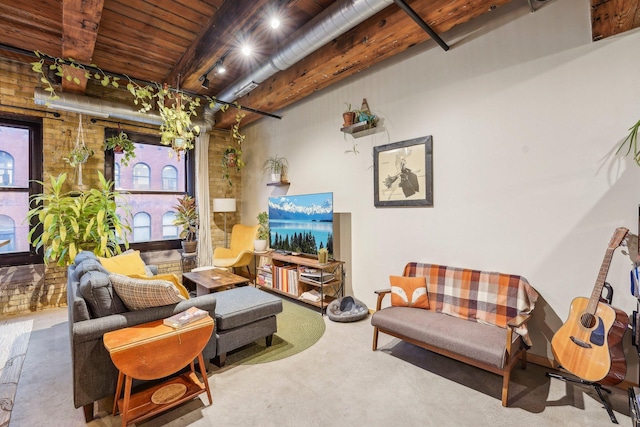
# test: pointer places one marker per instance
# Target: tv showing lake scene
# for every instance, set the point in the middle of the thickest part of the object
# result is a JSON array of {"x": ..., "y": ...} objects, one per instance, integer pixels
[{"x": 302, "y": 223}]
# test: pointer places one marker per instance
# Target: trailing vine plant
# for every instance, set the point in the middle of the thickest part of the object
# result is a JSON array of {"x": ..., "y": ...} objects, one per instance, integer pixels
[{"x": 176, "y": 107}]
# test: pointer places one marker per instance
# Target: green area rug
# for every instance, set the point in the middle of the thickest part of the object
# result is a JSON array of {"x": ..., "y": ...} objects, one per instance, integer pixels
[{"x": 298, "y": 329}]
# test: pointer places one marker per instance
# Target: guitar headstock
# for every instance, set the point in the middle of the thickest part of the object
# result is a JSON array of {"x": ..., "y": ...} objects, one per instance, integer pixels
[{"x": 618, "y": 237}]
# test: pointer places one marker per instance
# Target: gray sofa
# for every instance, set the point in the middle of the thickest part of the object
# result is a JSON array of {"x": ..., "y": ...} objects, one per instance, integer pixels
[
  {"x": 243, "y": 315},
  {"x": 95, "y": 309}
]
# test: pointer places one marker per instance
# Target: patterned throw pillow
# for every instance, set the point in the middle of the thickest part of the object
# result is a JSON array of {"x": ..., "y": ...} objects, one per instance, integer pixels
[
  {"x": 409, "y": 292},
  {"x": 144, "y": 293},
  {"x": 169, "y": 277}
]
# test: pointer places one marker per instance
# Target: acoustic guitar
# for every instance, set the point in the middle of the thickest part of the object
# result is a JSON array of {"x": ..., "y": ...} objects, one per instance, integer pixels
[{"x": 589, "y": 344}]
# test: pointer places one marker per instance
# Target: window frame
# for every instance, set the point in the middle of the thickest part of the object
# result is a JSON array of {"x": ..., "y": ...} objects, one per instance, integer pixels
[
  {"x": 36, "y": 168},
  {"x": 109, "y": 166}
]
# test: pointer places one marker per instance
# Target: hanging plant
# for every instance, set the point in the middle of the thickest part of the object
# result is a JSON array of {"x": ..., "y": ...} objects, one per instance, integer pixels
[
  {"x": 632, "y": 141},
  {"x": 231, "y": 159},
  {"x": 80, "y": 153},
  {"x": 121, "y": 143},
  {"x": 78, "y": 156},
  {"x": 176, "y": 110},
  {"x": 176, "y": 107}
]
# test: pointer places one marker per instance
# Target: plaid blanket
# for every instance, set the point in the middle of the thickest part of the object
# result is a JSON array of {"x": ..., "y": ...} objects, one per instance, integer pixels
[{"x": 479, "y": 296}]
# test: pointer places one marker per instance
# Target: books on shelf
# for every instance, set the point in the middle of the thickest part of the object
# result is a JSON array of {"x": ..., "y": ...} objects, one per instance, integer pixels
[{"x": 186, "y": 317}]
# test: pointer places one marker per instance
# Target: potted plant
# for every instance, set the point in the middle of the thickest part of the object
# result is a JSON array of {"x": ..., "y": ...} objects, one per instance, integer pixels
[
  {"x": 632, "y": 141},
  {"x": 120, "y": 143},
  {"x": 231, "y": 159},
  {"x": 78, "y": 155},
  {"x": 262, "y": 238},
  {"x": 349, "y": 116},
  {"x": 187, "y": 218},
  {"x": 276, "y": 166},
  {"x": 78, "y": 220}
]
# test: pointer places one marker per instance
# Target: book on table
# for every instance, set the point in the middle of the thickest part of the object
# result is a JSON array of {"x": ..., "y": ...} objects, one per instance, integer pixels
[{"x": 186, "y": 317}]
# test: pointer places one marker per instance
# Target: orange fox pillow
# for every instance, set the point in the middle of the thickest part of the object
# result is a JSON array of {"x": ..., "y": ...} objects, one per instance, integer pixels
[{"x": 409, "y": 292}]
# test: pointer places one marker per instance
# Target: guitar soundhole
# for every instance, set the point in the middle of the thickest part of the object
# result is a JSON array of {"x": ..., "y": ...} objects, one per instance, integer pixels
[{"x": 588, "y": 320}]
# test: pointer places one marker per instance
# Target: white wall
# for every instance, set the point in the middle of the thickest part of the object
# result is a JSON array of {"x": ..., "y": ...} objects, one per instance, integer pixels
[{"x": 526, "y": 113}]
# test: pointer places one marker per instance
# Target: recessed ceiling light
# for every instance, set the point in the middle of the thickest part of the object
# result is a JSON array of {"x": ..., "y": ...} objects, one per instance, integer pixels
[
  {"x": 246, "y": 50},
  {"x": 275, "y": 22}
]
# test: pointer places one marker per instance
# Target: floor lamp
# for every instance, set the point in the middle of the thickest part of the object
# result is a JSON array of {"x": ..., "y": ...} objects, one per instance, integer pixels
[{"x": 224, "y": 205}]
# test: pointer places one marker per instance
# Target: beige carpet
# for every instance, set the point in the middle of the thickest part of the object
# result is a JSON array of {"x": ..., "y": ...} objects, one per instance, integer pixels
[
  {"x": 14, "y": 341},
  {"x": 336, "y": 382}
]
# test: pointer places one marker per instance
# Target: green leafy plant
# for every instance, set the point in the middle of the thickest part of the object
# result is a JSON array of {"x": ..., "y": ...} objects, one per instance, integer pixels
[
  {"x": 632, "y": 141},
  {"x": 187, "y": 217},
  {"x": 78, "y": 220},
  {"x": 231, "y": 159},
  {"x": 263, "y": 230},
  {"x": 121, "y": 143},
  {"x": 175, "y": 106},
  {"x": 276, "y": 165},
  {"x": 78, "y": 155}
]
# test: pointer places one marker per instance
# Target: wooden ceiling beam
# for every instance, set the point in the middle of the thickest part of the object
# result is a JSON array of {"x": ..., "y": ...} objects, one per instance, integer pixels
[
  {"x": 214, "y": 40},
  {"x": 611, "y": 17},
  {"x": 80, "y": 23},
  {"x": 385, "y": 34}
]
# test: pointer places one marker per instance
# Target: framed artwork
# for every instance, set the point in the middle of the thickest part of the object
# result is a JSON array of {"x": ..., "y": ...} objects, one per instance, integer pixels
[{"x": 403, "y": 173}]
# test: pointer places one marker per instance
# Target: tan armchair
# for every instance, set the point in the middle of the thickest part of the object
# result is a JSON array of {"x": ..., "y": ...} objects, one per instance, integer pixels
[{"x": 241, "y": 248}]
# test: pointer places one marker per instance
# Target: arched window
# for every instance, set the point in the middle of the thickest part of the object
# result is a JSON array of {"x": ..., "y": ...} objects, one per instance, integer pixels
[
  {"x": 169, "y": 178},
  {"x": 7, "y": 232},
  {"x": 141, "y": 227},
  {"x": 116, "y": 175},
  {"x": 169, "y": 230},
  {"x": 6, "y": 169},
  {"x": 141, "y": 176}
]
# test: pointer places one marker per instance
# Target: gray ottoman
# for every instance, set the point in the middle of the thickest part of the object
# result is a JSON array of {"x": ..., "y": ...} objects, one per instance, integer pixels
[{"x": 244, "y": 315}]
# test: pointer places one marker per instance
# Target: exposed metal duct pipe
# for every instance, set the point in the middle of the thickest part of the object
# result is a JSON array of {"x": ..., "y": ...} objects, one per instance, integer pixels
[
  {"x": 335, "y": 20},
  {"x": 106, "y": 109}
]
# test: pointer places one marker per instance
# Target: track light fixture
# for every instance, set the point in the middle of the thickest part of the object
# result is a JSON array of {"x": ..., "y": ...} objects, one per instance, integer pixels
[
  {"x": 205, "y": 81},
  {"x": 220, "y": 67}
]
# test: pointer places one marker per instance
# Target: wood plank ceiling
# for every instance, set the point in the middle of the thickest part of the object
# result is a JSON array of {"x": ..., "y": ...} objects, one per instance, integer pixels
[{"x": 179, "y": 41}]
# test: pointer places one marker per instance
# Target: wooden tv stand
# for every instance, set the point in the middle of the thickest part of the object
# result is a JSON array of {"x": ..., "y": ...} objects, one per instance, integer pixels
[{"x": 285, "y": 275}]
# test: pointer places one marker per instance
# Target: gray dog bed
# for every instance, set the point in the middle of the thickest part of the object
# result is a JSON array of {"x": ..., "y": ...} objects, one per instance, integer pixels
[{"x": 347, "y": 309}]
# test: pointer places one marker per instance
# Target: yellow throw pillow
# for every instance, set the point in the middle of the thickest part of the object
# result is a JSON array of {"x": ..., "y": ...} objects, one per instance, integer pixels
[
  {"x": 409, "y": 292},
  {"x": 126, "y": 264},
  {"x": 169, "y": 277}
]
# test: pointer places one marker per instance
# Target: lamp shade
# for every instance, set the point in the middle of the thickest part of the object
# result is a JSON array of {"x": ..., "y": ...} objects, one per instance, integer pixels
[{"x": 224, "y": 205}]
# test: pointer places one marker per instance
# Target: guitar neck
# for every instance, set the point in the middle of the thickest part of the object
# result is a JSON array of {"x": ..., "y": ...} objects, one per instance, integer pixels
[{"x": 602, "y": 275}]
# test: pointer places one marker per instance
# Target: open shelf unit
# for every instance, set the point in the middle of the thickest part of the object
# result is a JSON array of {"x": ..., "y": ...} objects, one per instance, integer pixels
[{"x": 295, "y": 276}]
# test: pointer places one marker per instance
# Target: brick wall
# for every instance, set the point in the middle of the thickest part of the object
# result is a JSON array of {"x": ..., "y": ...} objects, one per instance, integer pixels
[{"x": 34, "y": 287}]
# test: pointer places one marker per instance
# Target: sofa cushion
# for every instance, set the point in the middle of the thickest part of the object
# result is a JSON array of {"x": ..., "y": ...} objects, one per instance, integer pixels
[
  {"x": 484, "y": 343},
  {"x": 240, "y": 306},
  {"x": 95, "y": 287},
  {"x": 409, "y": 292},
  {"x": 144, "y": 293},
  {"x": 127, "y": 264}
]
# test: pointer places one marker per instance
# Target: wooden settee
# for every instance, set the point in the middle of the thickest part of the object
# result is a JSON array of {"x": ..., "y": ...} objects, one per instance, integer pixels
[{"x": 476, "y": 317}]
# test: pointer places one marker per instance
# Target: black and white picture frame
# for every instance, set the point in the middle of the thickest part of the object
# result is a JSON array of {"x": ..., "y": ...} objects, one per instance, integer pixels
[{"x": 403, "y": 173}]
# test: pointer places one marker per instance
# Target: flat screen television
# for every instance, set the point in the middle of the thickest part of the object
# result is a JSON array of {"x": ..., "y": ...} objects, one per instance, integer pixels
[{"x": 302, "y": 223}]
